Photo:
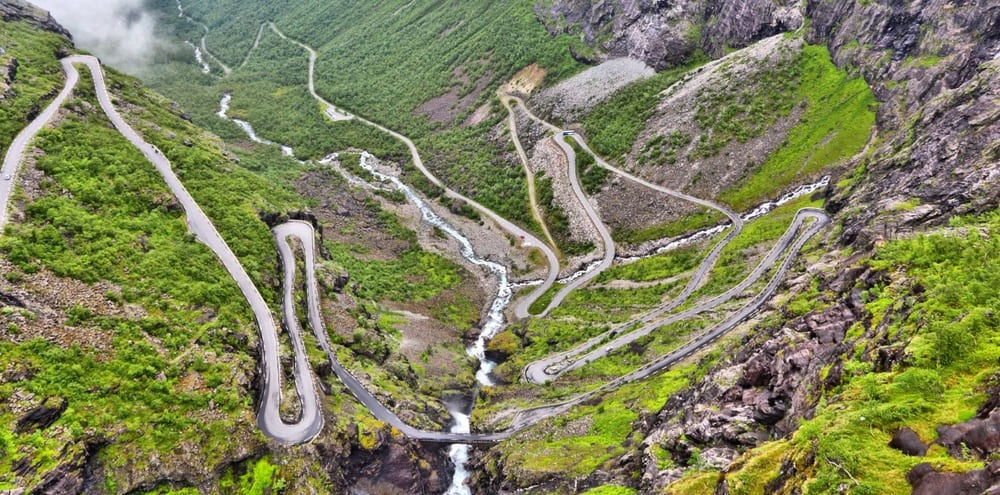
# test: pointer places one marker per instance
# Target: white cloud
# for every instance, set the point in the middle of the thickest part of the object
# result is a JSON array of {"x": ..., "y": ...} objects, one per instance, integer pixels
[{"x": 121, "y": 32}]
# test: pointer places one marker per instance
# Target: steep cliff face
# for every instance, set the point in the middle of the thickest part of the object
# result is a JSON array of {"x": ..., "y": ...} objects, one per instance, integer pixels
[
  {"x": 664, "y": 32},
  {"x": 18, "y": 10},
  {"x": 934, "y": 65}
]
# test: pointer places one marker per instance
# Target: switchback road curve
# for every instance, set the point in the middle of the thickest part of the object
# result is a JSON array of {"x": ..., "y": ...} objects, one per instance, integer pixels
[
  {"x": 268, "y": 417},
  {"x": 789, "y": 244}
]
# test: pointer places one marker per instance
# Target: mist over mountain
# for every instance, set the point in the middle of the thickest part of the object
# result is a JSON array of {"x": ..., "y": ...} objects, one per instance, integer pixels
[{"x": 121, "y": 32}]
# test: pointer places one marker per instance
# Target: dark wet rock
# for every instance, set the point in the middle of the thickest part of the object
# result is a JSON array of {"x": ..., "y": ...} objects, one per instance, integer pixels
[
  {"x": 834, "y": 375},
  {"x": 979, "y": 436},
  {"x": 272, "y": 218},
  {"x": 340, "y": 282},
  {"x": 41, "y": 417},
  {"x": 926, "y": 481},
  {"x": 10, "y": 300},
  {"x": 908, "y": 442},
  {"x": 845, "y": 279},
  {"x": 71, "y": 476},
  {"x": 396, "y": 466},
  {"x": 756, "y": 372}
]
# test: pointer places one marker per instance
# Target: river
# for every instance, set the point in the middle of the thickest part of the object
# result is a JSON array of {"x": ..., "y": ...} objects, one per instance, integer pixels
[
  {"x": 247, "y": 128},
  {"x": 459, "y": 453}
]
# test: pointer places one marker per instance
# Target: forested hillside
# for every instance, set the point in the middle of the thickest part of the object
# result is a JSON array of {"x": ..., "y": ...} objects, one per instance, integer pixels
[{"x": 421, "y": 68}]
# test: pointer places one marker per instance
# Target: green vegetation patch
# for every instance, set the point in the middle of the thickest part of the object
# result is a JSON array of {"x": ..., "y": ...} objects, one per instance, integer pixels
[
  {"x": 592, "y": 176},
  {"x": 36, "y": 78},
  {"x": 545, "y": 299},
  {"x": 416, "y": 275},
  {"x": 557, "y": 219},
  {"x": 735, "y": 263},
  {"x": 104, "y": 213},
  {"x": 938, "y": 301},
  {"x": 271, "y": 92},
  {"x": 701, "y": 219},
  {"x": 657, "y": 267},
  {"x": 836, "y": 124},
  {"x": 607, "y": 428},
  {"x": 611, "y": 490},
  {"x": 473, "y": 164},
  {"x": 260, "y": 478}
]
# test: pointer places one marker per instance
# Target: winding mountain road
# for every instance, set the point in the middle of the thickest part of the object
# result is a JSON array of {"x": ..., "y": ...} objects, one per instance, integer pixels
[
  {"x": 696, "y": 279},
  {"x": 608, "y": 243},
  {"x": 563, "y": 362},
  {"x": 531, "y": 416},
  {"x": 527, "y": 239},
  {"x": 550, "y": 367},
  {"x": 329, "y": 109},
  {"x": 15, "y": 152},
  {"x": 268, "y": 417},
  {"x": 253, "y": 48},
  {"x": 311, "y": 420},
  {"x": 790, "y": 244},
  {"x": 204, "y": 47}
]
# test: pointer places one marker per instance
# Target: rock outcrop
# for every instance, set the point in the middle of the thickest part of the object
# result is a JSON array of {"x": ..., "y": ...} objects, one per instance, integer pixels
[
  {"x": 934, "y": 67},
  {"x": 759, "y": 393},
  {"x": 978, "y": 437},
  {"x": 41, "y": 417},
  {"x": 19, "y": 10},
  {"x": 908, "y": 442},
  {"x": 663, "y": 33}
]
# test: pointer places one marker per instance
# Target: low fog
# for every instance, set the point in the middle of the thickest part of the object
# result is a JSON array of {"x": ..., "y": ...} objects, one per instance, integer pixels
[{"x": 121, "y": 32}]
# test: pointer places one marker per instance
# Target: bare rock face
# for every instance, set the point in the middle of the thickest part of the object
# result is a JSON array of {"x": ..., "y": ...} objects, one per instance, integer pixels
[
  {"x": 71, "y": 477},
  {"x": 758, "y": 394},
  {"x": 19, "y": 10},
  {"x": 933, "y": 65},
  {"x": 979, "y": 436},
  {"x": 396, "y": 467},
  {"x": 664, "y": 32}
]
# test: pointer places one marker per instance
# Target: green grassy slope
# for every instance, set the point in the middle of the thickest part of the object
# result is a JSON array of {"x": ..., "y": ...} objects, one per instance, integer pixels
[
  {"x": 838, "y": 114},
  {"x": 104, "y": 214},
  {"x": 36, "y": 79}
]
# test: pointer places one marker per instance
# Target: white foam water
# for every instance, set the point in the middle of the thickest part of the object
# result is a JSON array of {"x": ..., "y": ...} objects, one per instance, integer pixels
[
  {"x": 459, "y": 454},
  {"x": 247, "y": 128},
  {"x": 205, "y": 68}
]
